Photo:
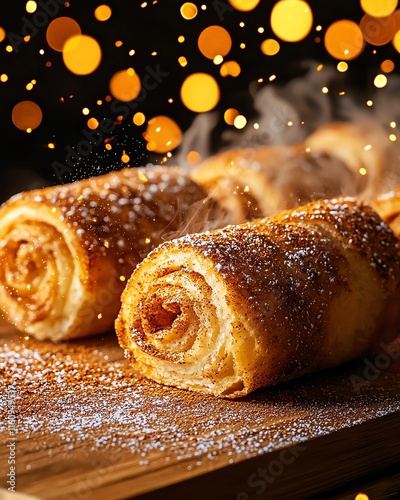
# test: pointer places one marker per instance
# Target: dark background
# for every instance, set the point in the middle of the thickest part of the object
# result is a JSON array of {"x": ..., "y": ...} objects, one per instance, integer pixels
[{"x": 25, "y": 158}]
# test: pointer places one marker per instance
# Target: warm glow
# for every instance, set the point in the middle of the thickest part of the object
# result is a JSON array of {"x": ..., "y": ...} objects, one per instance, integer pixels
[
  {"x": 102, "y": 13},
  {"x": 3, "y": 77},
  {"x": 2, "y": 34},
  {"x": 379, "y": 8},
  {"x": 92, "y": 123},
  {"x": 230, "y": 68},
  {"x": 361, "y": 496},
  {"x": 378, "y": 31},
  {"x": 81, "y": 54},
  {"x": 230, "y": 115},
  {"x": 189, "y": 11},
  {"x": 182, "y": 61},
  {"x": 59, "y": 30},
  {"x": 214, "y": 41},
  {"x": 344, "y": 40},
  {"x": 138, "y": 119},
  {"x": 181, "y": 39},
  {"x": 244, "y": 5},
  {"x": 270, "y": 47},
  {"x": 200, "y": 92},
  {"x": 193, "y": 157},
  {"x": 162, "y": 134},
  {"x": 291, "y": 20},
  {"x": 125, "y": 158},
  {"x": 342, "y": 66},
  {"x": 240, "y": 122},
  {"x": 125, "y": 85},
  {"x": 31, "y": 6},
  {"x": 380, "y": 81},
  {"x": 396, "y": 41},
  {"x": 27, "y": 115},
  {"x": 387, "y": 66}
]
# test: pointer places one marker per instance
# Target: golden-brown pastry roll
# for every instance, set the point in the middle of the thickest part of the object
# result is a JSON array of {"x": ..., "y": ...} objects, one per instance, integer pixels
[
  {"x": 231, "y": 310},
  {"x": 257, "y": 182},
  {"x": 65, "y": 251},
  {"x": 363, "y": 147},
  {"x": 388, "y": 207}
]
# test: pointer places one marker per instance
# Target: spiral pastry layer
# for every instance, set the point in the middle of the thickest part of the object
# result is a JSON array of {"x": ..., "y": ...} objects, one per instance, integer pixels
[
  {"x": 234, "y": 309},
  {"x": 65, "y": 251}
]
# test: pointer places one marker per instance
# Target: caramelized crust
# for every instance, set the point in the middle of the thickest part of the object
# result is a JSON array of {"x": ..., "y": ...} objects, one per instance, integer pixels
[
  {"x": 246, "y": 306},
  {"x": 65, "y": 251},
  {"x": 388, "y": 207}
]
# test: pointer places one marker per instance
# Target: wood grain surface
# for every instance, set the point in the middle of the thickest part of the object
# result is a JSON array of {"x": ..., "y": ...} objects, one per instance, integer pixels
[{"x": 88, "y": 427}]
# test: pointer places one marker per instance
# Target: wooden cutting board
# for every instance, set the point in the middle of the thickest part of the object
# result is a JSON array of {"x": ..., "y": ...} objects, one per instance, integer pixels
[{"x": 88, "y": 427}]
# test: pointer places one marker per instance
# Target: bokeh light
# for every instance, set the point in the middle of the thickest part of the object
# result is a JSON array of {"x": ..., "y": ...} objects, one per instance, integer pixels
[
  {"x": 27, "y": 115},
  {"x": 230, "y": 68},
  {"x": 344, "y": 39},
  {"x": 342, "y": 66},
  {"x": 2, "y": 34},
  {"x": 387, "y": 66},
  {"x": 189, "y": 11},
  {"x": 230, "y": 115},
  {"x": 396, "y": 41},
  {"x": 102, "y": 13},
  {"x": 81, "y": 54},
  {"x": 380, "y": 81},
  {"x": 125, "y": 85},
  {"x": 162, "y": 134},
  {"x": 291, "y": 20},
  {"x": 214, "y": 41},
  {"x": 244, "y": 5},
  {"x": 139, "y": 119},
  {"x": 200, "y": 92},
  {"x": 270, "y": 47},
  {"x": 93, "y": 123},
  {"x": 378, "y": 31},
  {"x": 379, "y": 8},
  {"x": 31, "y": 6},
  {"x": 59, "y": 30}
]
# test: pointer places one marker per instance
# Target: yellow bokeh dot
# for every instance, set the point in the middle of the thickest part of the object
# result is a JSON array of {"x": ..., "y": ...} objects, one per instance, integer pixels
[
  {"x": 27, "y": 115},
  {"x": 102, "y": 13},
  {"x": 188, "y": 11},
  {"x": 342, "y": 66},
  {"x": 380, "y": 81},
  {"x": 81, "y": 54},
  {"x": 125, "y": 158},
  {"x": 139, "y": 118},
  {"x": 125, "y": 85},
  {"x": 2, "y": 34},
  {"x": 344, "y": 40},
  {"x": 59, "y": 30},
  {"x": 396, "y": 41},
  {"x": 244, "y": 5},
  {"x": 214, "y": 41},
  {"x": 200, "y": 92},
  {"x": 193, "y": 157},
  {"x": 230, "y": 115},
  {"x": 379, "y": 8},
  {"x": 31, "y": 6},
  {"x": 387, "y": 66},
  {"x": 270, "y": 47},
  {"x": 291, "y": 20},
  {"x": 93, "y": 123},
  {"x": 240, "y": 122},
  {"x": 378, "y": 31},
  {"x": 162, "y": 134},
  {"x": 3, "y": 77},
  {"x": 182, "y": 61},
  {"x": 361, "y": 496},
  {"x": 230, "y": 68}
]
